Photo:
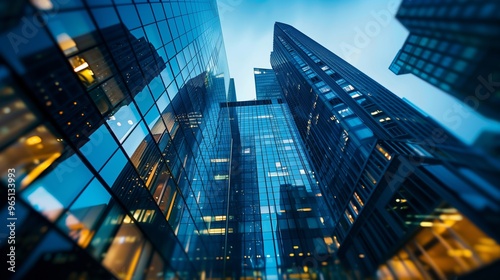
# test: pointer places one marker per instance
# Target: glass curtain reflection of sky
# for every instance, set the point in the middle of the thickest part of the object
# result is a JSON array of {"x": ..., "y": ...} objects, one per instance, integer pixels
[{"x": 363, "y": 32}]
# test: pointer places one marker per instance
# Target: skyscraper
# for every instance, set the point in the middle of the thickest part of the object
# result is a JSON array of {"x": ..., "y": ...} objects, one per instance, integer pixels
[
  {"x": 276, "y": 225},
  {"x": 393, "y": 178},
  {"x": 109, "y": 117},
  {"x": 453, "y": 46},
  {"x": 266, "y": 85}
]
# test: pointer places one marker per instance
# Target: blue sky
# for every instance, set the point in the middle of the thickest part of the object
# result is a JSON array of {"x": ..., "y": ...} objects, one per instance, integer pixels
[{"x": 363, "y": 32}]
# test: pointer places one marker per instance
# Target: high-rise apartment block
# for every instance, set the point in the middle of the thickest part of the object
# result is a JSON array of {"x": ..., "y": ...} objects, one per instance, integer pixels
[
  {"x": 454, "y": 46},
  {"x": 405, "y": 195}
]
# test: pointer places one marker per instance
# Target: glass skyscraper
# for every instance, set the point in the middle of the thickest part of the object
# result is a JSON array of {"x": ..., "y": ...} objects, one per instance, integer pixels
[
  {"x": 266, "y": 85},
  {"x": 452, "y": 46},
  {"x": 407, "y": 198},
  {"x": 109, "y": 118}
]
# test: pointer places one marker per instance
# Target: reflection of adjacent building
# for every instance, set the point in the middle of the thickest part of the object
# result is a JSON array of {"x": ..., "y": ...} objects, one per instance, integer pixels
[
  {"x": 387, "y": 171},
  {"x": 109, "y": 73},
  {"x": 454, "y": 48}
]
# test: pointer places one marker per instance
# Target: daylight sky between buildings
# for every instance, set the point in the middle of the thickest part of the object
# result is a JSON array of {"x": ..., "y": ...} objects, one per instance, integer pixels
[{"x": 363, "y": 32}]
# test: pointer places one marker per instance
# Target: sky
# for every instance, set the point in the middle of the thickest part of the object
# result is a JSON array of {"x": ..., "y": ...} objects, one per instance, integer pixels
[{"x": 363, "y": 32}]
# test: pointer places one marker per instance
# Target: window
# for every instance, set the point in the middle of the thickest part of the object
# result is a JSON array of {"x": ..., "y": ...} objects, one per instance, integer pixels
[
  {"x": 80, "y": 220},
  {"x": 345, "y": 112},
  {"x": 353, "y": 122},
  {"x": 383, "y": 151},
  {"x": 340, "y": 81},
  {"x": 348, "y": 88},
  {"x": 100, "y": 147},
  {"x": 69, "y": 27},
  {"x": 460, "y": 66},
  {"x": 25, "y": 154},
  {"x": 117, "y": 162},
  {"x": 325, "y": 89},
  {"x": 46, "y": 194},
  {"x": 469, "y": 52},
  {"x": 355, "y": 94},
  {"x": 123, "y": 120}
]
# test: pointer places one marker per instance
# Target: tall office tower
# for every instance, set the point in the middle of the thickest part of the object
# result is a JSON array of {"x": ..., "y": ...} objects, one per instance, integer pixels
[
  {"x": 266, "y": 85},
  {"x": 454, "y": 47},
  {"x": 408, "y": 200},
  {"x": 111, "y": 137},
  {"x": 279, "y": 225}
]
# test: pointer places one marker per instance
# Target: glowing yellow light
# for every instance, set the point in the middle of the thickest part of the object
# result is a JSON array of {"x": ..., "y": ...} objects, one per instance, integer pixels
[
  {"x": 81, "y": 67},
  {"x": 33, "y": 140},
  {"x": 38, "y": 170},
  {"x": 456, "y": 217},
  {"x": 426, "y": 224}
]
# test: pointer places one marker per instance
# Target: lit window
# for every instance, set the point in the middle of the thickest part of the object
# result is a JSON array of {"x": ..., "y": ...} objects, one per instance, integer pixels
[
  {"x": 217, "y": 160},
  {"x": 358, "y": 199},
  {"x": 221, "y": 177},
  {"x": 349, "y": 216},
  {"x": 384, "y": 152},
  {"x": 340, "y": 81},
  {"x": 354, "y": 208},
  {"x": 348, "y": 88},
  {"x": 355, "y": 94}
]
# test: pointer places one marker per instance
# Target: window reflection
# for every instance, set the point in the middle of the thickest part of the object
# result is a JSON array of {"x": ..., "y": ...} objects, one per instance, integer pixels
[
  {"x": 447, "y": 245},
  {"x": 14, "y": 115},
  {"x": 122, "y": 257},
  {"x": 30, "y": 155},
  {"x": 93, "y": 66},
  {"x": 117, "y": 162},
  {"x": 50, "y": 194},
  {"x": 80, "y": 221},
  {"x": 100, "y": 147},
  {"x": 73, "y": 31},
  {"x": 123, "y": 120}
]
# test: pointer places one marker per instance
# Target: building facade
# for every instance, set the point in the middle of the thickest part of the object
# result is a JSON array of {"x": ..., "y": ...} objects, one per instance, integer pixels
[
  {"x": 266, "y": 85},
  {"x": 453, "y": 46},
  {"x": 280, "y": 223},
  {"x": 109, "y": 118},
  {"x": 393, "y": 178}
]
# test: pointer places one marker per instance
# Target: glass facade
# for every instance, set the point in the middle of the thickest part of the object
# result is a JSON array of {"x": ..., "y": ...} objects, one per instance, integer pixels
[
  {"x": 266, "y": 85},
  {"x": 109, "y": 115},
  {"x": 452, "y": 46},
  {"x": 280, "y": 227},
  {"x": 383, "y": 167}
]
